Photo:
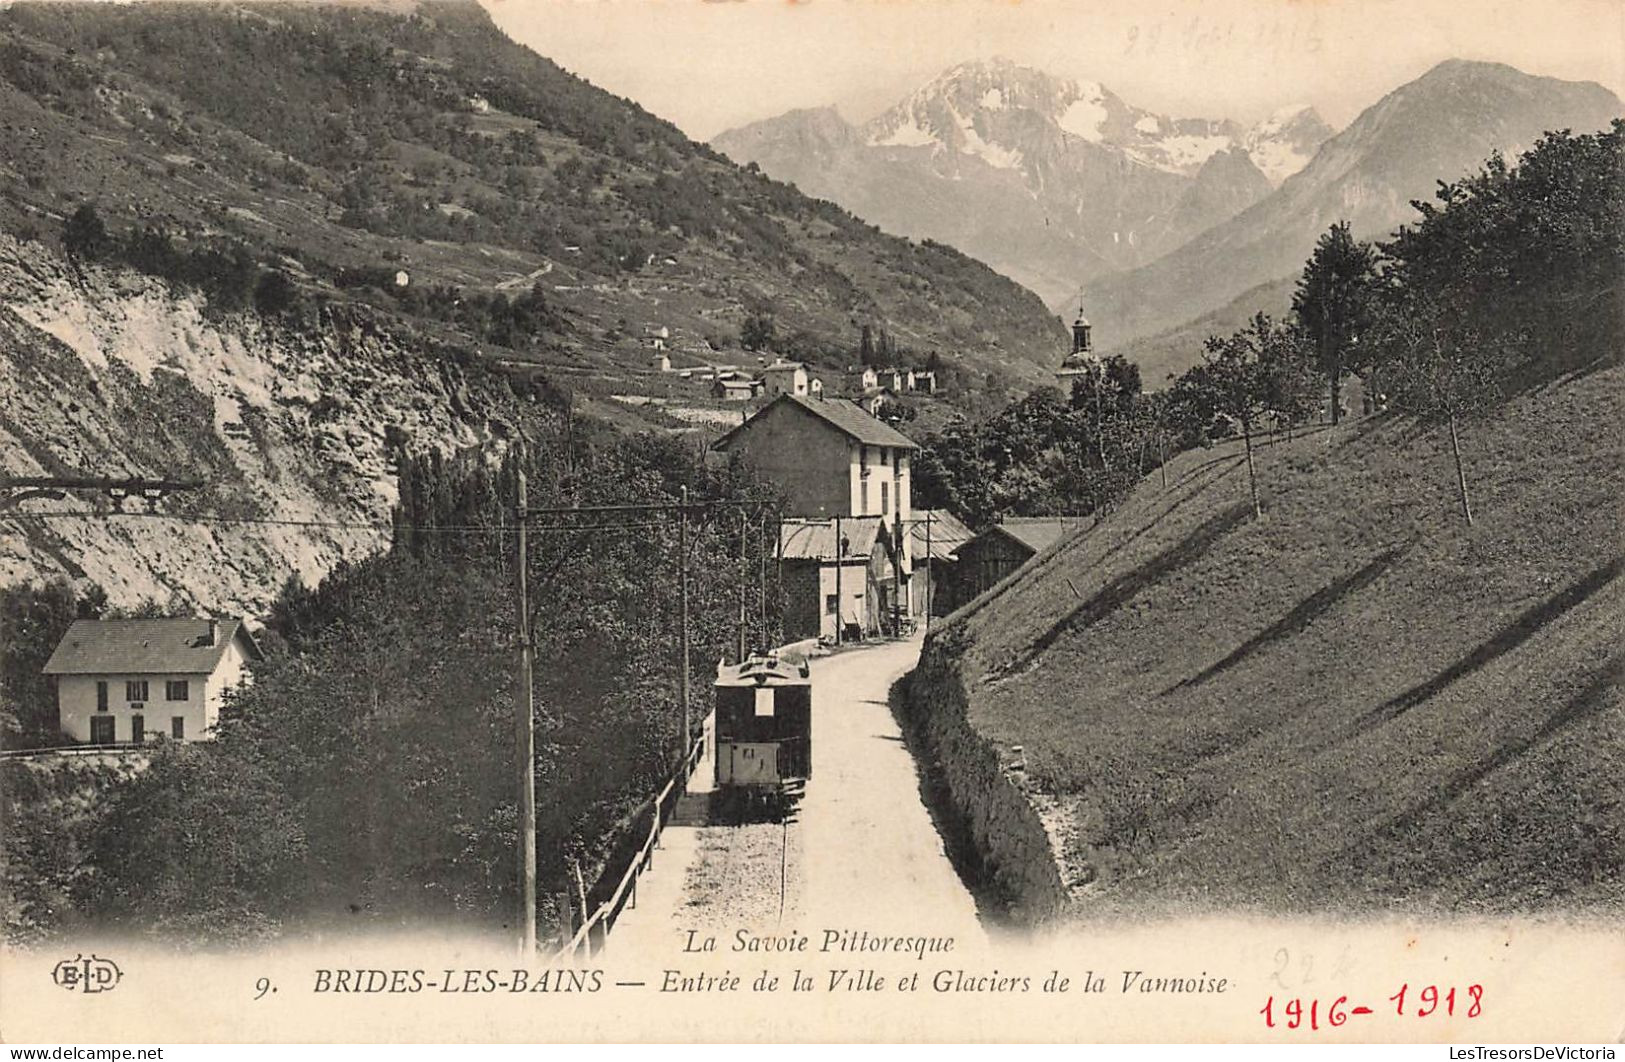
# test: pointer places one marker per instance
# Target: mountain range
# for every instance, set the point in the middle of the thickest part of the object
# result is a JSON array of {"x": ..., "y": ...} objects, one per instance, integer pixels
[
  {"x": 1161, "y": 222},
  {"x": 1439, "y": 127},
  {"x": 1050, "y": 180}
]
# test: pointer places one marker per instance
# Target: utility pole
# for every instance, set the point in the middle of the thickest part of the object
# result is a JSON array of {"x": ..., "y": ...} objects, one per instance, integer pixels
[
  {"x": 524, "y": 721},
  {"x": 897, "y": 566},
  {"x": 743, "y": 560},
  {"x": 840, "y": 559},
  {"x": 930, "y": 570},
  {"x": 761, "y": 585},
  {"x": 682, "y": 565}
]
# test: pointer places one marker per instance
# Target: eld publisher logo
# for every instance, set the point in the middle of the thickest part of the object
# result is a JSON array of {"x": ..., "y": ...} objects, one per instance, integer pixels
[{"x": 81, "y": 974}]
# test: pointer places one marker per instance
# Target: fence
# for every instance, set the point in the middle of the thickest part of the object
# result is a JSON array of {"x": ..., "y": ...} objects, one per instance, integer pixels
[
  {"x": 593, "y": 931},
  {"x": 118, "y": 748}
]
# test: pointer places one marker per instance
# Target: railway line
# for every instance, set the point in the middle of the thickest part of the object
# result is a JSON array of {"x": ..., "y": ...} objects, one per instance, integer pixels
[{"x": 855, "y": 848}]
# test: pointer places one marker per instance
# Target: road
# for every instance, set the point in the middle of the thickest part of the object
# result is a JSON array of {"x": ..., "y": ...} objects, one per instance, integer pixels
[{"x": 858, "y": 850}]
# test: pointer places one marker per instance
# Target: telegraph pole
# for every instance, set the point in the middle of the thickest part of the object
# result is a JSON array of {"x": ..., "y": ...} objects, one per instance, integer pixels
[
  {"x": 761, "y": 585},
  {"x": 524, "y": 723},
  {"x": 682, "y": 563},
  {"x": 930, "y": 570},
  {"x": 742, "y": 578},
  {"x": 840, "y": 560},
  {"x": 897, "y": 569}
]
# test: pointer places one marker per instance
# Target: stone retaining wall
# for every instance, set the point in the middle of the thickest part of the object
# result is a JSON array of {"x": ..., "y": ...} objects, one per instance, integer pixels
[{"x": 992, "y": 807}]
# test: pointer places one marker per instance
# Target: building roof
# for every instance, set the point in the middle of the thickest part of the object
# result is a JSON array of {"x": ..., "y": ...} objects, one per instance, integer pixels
[
  {"x": 840, "y": 413},
  {"x": 815, "y": 539},
  {"x": 947, "y": 533},
  {"x": 1037, "y": 532},
  {"x": 760, "y": 670},
  {"x": 145, "y": 647},
  {"x": 1081, "y": 363}
]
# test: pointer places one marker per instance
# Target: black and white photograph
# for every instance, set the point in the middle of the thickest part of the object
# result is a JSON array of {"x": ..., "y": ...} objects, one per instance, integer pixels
[{"x": 708, "y": 521}]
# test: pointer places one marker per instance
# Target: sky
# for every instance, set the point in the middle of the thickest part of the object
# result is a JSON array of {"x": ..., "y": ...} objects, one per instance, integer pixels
[{"x": 709, "y": 65}]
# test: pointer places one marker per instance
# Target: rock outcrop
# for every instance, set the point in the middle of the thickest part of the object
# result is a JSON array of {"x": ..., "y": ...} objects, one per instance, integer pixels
[{"x": 292, "y": 430}]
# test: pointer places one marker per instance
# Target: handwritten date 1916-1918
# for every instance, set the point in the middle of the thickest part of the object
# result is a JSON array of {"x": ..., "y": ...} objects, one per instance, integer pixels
[{"x": 1430, "y": 1001}]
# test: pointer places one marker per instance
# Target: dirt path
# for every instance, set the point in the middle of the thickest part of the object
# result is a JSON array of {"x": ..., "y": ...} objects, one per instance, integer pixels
[{"x": 859, "y": 849}]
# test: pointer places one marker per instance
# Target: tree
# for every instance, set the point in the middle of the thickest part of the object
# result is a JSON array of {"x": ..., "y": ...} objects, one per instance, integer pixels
[
  {"x": 275, "y": 294},
  {"x": 1535, "y": 251},
  {"x": 1332, "y": 302},
  {"x": 33, "y": 620},
  {"x": 1239, "y": 378},
  {"x": 84, "y": 235},
  {"x": 202, "y": 843},
  {"x": 1449, "y": 368},
  {"x": 758, "y": 331}
]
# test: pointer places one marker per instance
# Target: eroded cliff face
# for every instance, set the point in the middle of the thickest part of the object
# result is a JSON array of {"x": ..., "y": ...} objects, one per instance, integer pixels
[{"x": 116, "y": 374}]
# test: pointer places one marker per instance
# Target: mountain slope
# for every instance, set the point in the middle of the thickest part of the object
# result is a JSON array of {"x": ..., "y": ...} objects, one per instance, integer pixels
[
  {"x": 1051, "y": 180},
  {"x": 1356, "y": 703},
  {"x": 344, "y": 144},
  {"x": 293, "y": 432},
  {"x": 1437, "y": 128}
]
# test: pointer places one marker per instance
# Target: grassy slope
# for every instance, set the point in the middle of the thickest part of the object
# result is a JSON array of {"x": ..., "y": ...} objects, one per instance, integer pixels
[{"x": 1357, "y": 702}]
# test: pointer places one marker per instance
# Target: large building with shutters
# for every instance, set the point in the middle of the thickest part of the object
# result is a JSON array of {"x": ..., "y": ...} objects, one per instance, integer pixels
[{"x": 129, "y": 681}]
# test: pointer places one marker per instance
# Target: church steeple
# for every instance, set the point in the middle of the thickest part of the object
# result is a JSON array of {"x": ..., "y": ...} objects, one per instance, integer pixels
[
  {"x": 1082, "y": 360},
  {"x": 1080, "y": 335}
]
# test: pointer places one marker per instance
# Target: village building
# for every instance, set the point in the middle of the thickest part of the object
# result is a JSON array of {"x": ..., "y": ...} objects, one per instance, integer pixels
[
  {"x": 828, "y": 456},
  {"x": 735, "y": 386},
  {"x": 831, "y": 459},
  {"x": 785, "y": 378},
  {"x": 124, "y": 681},
  {"x": 999, "y": 550},
  {"x": 868, "y": 380},
  {"x": 1083, "y": 361},
  {"x": 873, "y": 404},
  {"x": 933, "y": 537},
  {"x": 839, "y": 570},
  {"x": 657, "y": 338}
]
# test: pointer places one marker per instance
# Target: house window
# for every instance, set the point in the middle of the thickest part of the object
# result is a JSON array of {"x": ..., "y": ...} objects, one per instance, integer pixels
[
  {"x": 176, "y": 690},
  {"x": 830, "y": 601},
  {"x": 885, "y": 456},
  {"x": 101, "y": 730},
  {"x": 135, "y": 690},
  {"x": 885, "y": 500},
  {"x": 138, "y": 728},
  {"x": 177, "y": 728},
  {"x": 101, "y": 695}
]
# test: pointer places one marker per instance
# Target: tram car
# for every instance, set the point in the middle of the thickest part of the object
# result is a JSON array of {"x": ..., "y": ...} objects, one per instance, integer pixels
[{"x": 763, "y": 726}]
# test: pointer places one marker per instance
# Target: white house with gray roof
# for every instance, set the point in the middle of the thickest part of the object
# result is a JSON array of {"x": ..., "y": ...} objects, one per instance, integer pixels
[{"x": 123, "y": 681}]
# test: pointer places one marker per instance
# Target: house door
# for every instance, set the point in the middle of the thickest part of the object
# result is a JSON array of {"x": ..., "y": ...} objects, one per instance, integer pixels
[
  {"x": 138, "y": 729},
  {"x": 101, "y": 730}
]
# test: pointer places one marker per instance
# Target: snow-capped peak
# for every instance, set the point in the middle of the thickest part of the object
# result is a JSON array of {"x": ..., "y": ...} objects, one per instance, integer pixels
[
  {"x": 984, "y": 108},
  {"x": 1283, "y": 143}
]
